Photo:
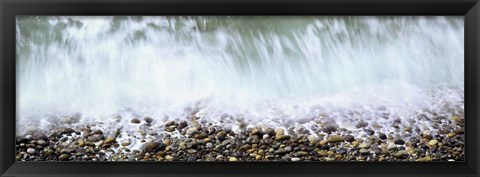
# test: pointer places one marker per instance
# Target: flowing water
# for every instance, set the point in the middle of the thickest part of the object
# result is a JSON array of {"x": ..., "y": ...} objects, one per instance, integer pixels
[{"x": 267, "y": 69}]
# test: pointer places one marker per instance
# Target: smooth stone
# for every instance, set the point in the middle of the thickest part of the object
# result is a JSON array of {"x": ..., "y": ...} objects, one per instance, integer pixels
[
  {"x": 245, "y": 147},
  {"x": 148, "y": 119},
  {"x": 433, "y": 142},
  {"x": 192, "y": 131},
  {"x": 377, "y": 151},
  {"x": 182, "y": 124},
  {"x": 269, "y": 157},
  {"x": 152, "y": 133},
  {"x": 364, "y": 146},
  {"x": 451, "y": 134},
  {"x": 169, "y": 123},
  {"x": 63, "y": 157},
  {"x": 66, "y": 130},
  {"x": 150, "y": 146},
  {"x": 455, "y": 118},
  {"x": 221, "y": 135},
  {"x": 370, "y": 132},
  {"x": 349, "y": 138},
  {"x": 399, "y": 142},
  {"x": 322, "y": 153},
  {"x": 294, "y": 159},
  {"x": 253, "y": 140},
  {"x": 127, "y": 143},
  {"x": 209, "y": 145},
  {"x": 31, "y": 151},
  {"x": 255, "y": 131},
  {"x": 459, "y": 131},
  {"x": 167, "y": 141},
  {"x": 355, "y": 143},
  {"x": 168, "y": 157},
  {"x": 42, "y": 142},
  {"x": 335, "y": 138},
  {"x": 232, "y": 159},
  {"x": 47, "y": 152},
  {"x": 93, "y": 138},
  {"x": 329, "y": 129},
  {"x": 443, "y": 132},
  {"x": 135, "y": 121},
  {"x": 313, "y": 139},
  {"x": 279, "y": 132},
  {"x": 266, "y": 136},
  {"x": 330, "y": 152},
  {"x": 428, "y": 137},
  {"x": 99, "y": 132},
  {"x": 391, "y": 146},
  {"x": 110, "y": 140},
  {"x": 401, "y": 154},
  {"x": 270, "y": 131},
  {"x": 382, "y": 136},
  {"x": 301, "y": 153},
  {"x": 364, "y": 151},
  {"x": 282, "y": 137},
  {"x": 361, "y": 124},
  {"x": 81, "y": 143},
  {"x": 169, "y": 129}
]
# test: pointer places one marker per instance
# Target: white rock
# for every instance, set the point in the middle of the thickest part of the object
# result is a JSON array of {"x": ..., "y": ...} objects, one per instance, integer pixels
[
  {"x": 31, "y": 151},
  {"x": 294, "y": 159},
  {"x": 313, "y": 139},
  {"x": 201, "y": 113},
  {"x": 266, "y": 136}
]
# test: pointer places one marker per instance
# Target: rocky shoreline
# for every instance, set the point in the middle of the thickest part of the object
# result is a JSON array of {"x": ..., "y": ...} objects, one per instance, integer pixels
[{"x": 194, "y": 140}]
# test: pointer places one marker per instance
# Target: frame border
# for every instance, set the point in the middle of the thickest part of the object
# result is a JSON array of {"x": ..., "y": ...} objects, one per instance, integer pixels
[{"x": 470, "y": 9}]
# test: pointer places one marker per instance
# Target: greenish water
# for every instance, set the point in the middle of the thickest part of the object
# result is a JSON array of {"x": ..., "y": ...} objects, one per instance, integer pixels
[{"x": 159, "y": 65}]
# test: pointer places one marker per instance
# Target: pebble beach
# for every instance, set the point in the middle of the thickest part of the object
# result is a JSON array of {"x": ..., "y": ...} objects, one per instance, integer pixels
[
  {"x": 240, "y": 88},
  {"x": 196, "y": 139}
]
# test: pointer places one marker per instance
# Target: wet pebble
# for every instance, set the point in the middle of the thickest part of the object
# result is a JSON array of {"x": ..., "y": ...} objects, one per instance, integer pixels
[
  {"x": 399, "y": 142},
  {"x": 329, "y": 128},
  {"x": 135, "y": 121},
  {"x": 382, "y": 136},
  {"x": 31, "y": 151},
  {"x": 349, "y": 138}
]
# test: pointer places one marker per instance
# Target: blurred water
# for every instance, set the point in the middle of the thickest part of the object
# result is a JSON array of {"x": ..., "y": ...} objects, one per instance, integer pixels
[{"x": 98, "y": 66}]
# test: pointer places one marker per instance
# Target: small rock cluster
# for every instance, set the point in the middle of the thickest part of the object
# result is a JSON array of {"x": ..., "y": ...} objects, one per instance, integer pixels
[{"x": 195, "y": 141}]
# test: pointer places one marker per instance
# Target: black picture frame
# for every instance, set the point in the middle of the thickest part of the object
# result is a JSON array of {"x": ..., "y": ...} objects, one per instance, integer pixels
[{"x": 470, "y": 9}]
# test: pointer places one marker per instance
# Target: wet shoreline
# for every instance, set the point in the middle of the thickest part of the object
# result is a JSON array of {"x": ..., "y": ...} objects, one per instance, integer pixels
[{"x": 197, "y": 140}]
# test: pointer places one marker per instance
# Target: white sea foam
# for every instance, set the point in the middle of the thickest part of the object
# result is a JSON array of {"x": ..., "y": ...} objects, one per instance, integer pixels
[{"x": 268, "y": 69}]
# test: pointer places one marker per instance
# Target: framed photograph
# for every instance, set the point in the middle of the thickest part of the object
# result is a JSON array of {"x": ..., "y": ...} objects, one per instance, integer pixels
[{"x": 239, "y": 88}]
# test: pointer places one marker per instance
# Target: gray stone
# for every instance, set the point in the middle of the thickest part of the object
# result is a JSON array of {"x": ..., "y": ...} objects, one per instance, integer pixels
[
  {"x": 349, "y": 138},
  {"x": 135, "y": 121},
  {"x": 150, "y": 146},
  {"x": 364, "y": 151},
  {"x": 362, "y": 124},
  {"x": 329, "y": 128},
  {"x": 31, "y": 151},
  {"x": 148, "y": 119},
  {"x": 294, "y": 159}
]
